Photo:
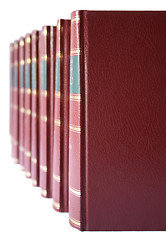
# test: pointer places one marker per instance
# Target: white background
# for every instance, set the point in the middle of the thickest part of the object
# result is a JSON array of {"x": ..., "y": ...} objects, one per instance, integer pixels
[{"x": 24, "y": 214}]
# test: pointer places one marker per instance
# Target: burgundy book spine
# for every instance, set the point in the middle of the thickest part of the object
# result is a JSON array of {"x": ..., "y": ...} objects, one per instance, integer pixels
[
  {"x": 35, "y": 141},
  {"x": 15, "y": 105},
  {"x": 27, "y": 123},
  {"x": 11, "y": 85},
  {"x": 74, "y": 124},
  {"x": 61, "y": 113},
  {"x": 46, "y": 119},
  {"x": 21, "y": 100}
]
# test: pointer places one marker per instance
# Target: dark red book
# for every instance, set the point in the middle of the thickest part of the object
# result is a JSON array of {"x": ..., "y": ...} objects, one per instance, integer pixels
[
  {"x": 61, "y": 113},
  {"x": 117, "y": 156},
  {"x": 35, "y": 140},
  {"x": 21, "y": 100},
  {"x": 27, "y": 123},
  {"x": 46, "y": 109},
  {"x": 15, "y": 104}
]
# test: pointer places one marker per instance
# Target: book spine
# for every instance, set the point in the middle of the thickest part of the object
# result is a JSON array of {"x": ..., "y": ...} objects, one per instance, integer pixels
[
  {"x": 11, "y": 85},
  {"x": 75, "y": 125},
  {"x": 50, "y": 113},
  {"x": 61, "y": 127},
  {"x": 44, "y": 119},
  {"x": 15, "y": 105},
  {"x": 35, "y": 144},
  {"x": 21, "y": 100},
  {"x": 27, "y": 123}
]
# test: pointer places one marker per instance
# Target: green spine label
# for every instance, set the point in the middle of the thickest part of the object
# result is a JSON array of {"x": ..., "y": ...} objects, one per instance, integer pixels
[
  {"x": 75, "y": 74},
  {"x": 21, "y": 78},
  {"x": 44, "y": 75},
  {"x": 27, "y": 75},
  {"x": 34, "y": 77},
  {"x": 57, "y": 80}
]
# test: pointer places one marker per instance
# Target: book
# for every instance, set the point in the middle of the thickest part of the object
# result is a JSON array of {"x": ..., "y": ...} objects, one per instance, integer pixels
[
  {"x": 15, "y": 104},
  {"x": 21, "y": 100},
  {"x": 27, "y": 121},
  {"x": 11, "y": 85},
  {"x": 117, "y": 137},
  {"x": 46, "y": 108},
  {"x": 61, "y": 113},
  {"x": 35, "y": 140}
]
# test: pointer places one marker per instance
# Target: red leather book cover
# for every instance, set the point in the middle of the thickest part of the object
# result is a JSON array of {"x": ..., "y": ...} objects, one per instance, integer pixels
[
  {"x": 46, "y": 108},
  {"x": 21, "y": 100},
  {"x": 61, "y": 113},
  {"x": 27, "y": 123},
  {"x": 15, "y": 105},
  {"x": 35, "y": 141},
  {"x": 11, "y": 85},
  {"x": 117, "y": 121}
]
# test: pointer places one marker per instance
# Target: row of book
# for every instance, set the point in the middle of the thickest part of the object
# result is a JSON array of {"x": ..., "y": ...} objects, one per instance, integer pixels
[{"x": 87, "y": 117}]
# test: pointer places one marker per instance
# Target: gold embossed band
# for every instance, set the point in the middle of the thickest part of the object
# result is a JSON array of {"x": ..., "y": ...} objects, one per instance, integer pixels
[
  {"x": 75, "y": 191},
  {"x": 75, "y": 222}
]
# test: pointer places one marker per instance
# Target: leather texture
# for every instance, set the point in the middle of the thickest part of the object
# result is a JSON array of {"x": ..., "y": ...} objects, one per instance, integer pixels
[
  {"x": 47, "y": 109},
  {"x": 21, "y": 100},
  {"x": 61, "y": 113},
  {"x": 123, "y": 115},
  {"x": 35, "y": 140},
  {"x": 27, "y": 121}
]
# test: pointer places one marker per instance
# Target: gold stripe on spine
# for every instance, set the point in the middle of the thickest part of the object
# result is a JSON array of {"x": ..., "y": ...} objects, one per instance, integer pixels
[
  {"x": 75, "y": 19},
  {"x": 75, "y": 97},
  {"x": 34, "y": 114},
  {"x": 22, "y": 90},
  {"x": 56, "y": 177},
  {"x": 22, "y": 62},
  {"x": 15, "y": 160},
  {"x": 28, "y": 90},
  {"x": 34, "y": 59},
  {"x": 28, "y": 60},
  {"x": 75, "y": 191},
  {"x": 56, "y": 205},
  {"x": 44, "y": 118},
  {"x": 28, "y": 39},
  {"x": 75, "y": 222},
  {"x": 59, "y": 25},
  {"x": 74, "y": 128},
  {"x": 44, "y": 192},
  {"x": 44, "y": 57},
  {"x": 34, "y": 182},
  {"x": 76, "y": 51},
  {"x": 57, "y": 94},
  {"x": 21, "y": 43},
  {"x": 28, "y": 111},
  {"x": 44, "y": 93},
  {"x": 44, "y": 32},
  {"x": 58, "y": 55},
  {"x": 57, "y": 122},
  {"x": 28, "y": 174},
  {"x": 34, "y": 92},
  {"x": 34, "y": 160},
  {"x": 27, "y": 154},
  {"x": 22, "y": 110},
  {"x": 43, "y": 168},
  {"x": 21, "y": 149}
]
